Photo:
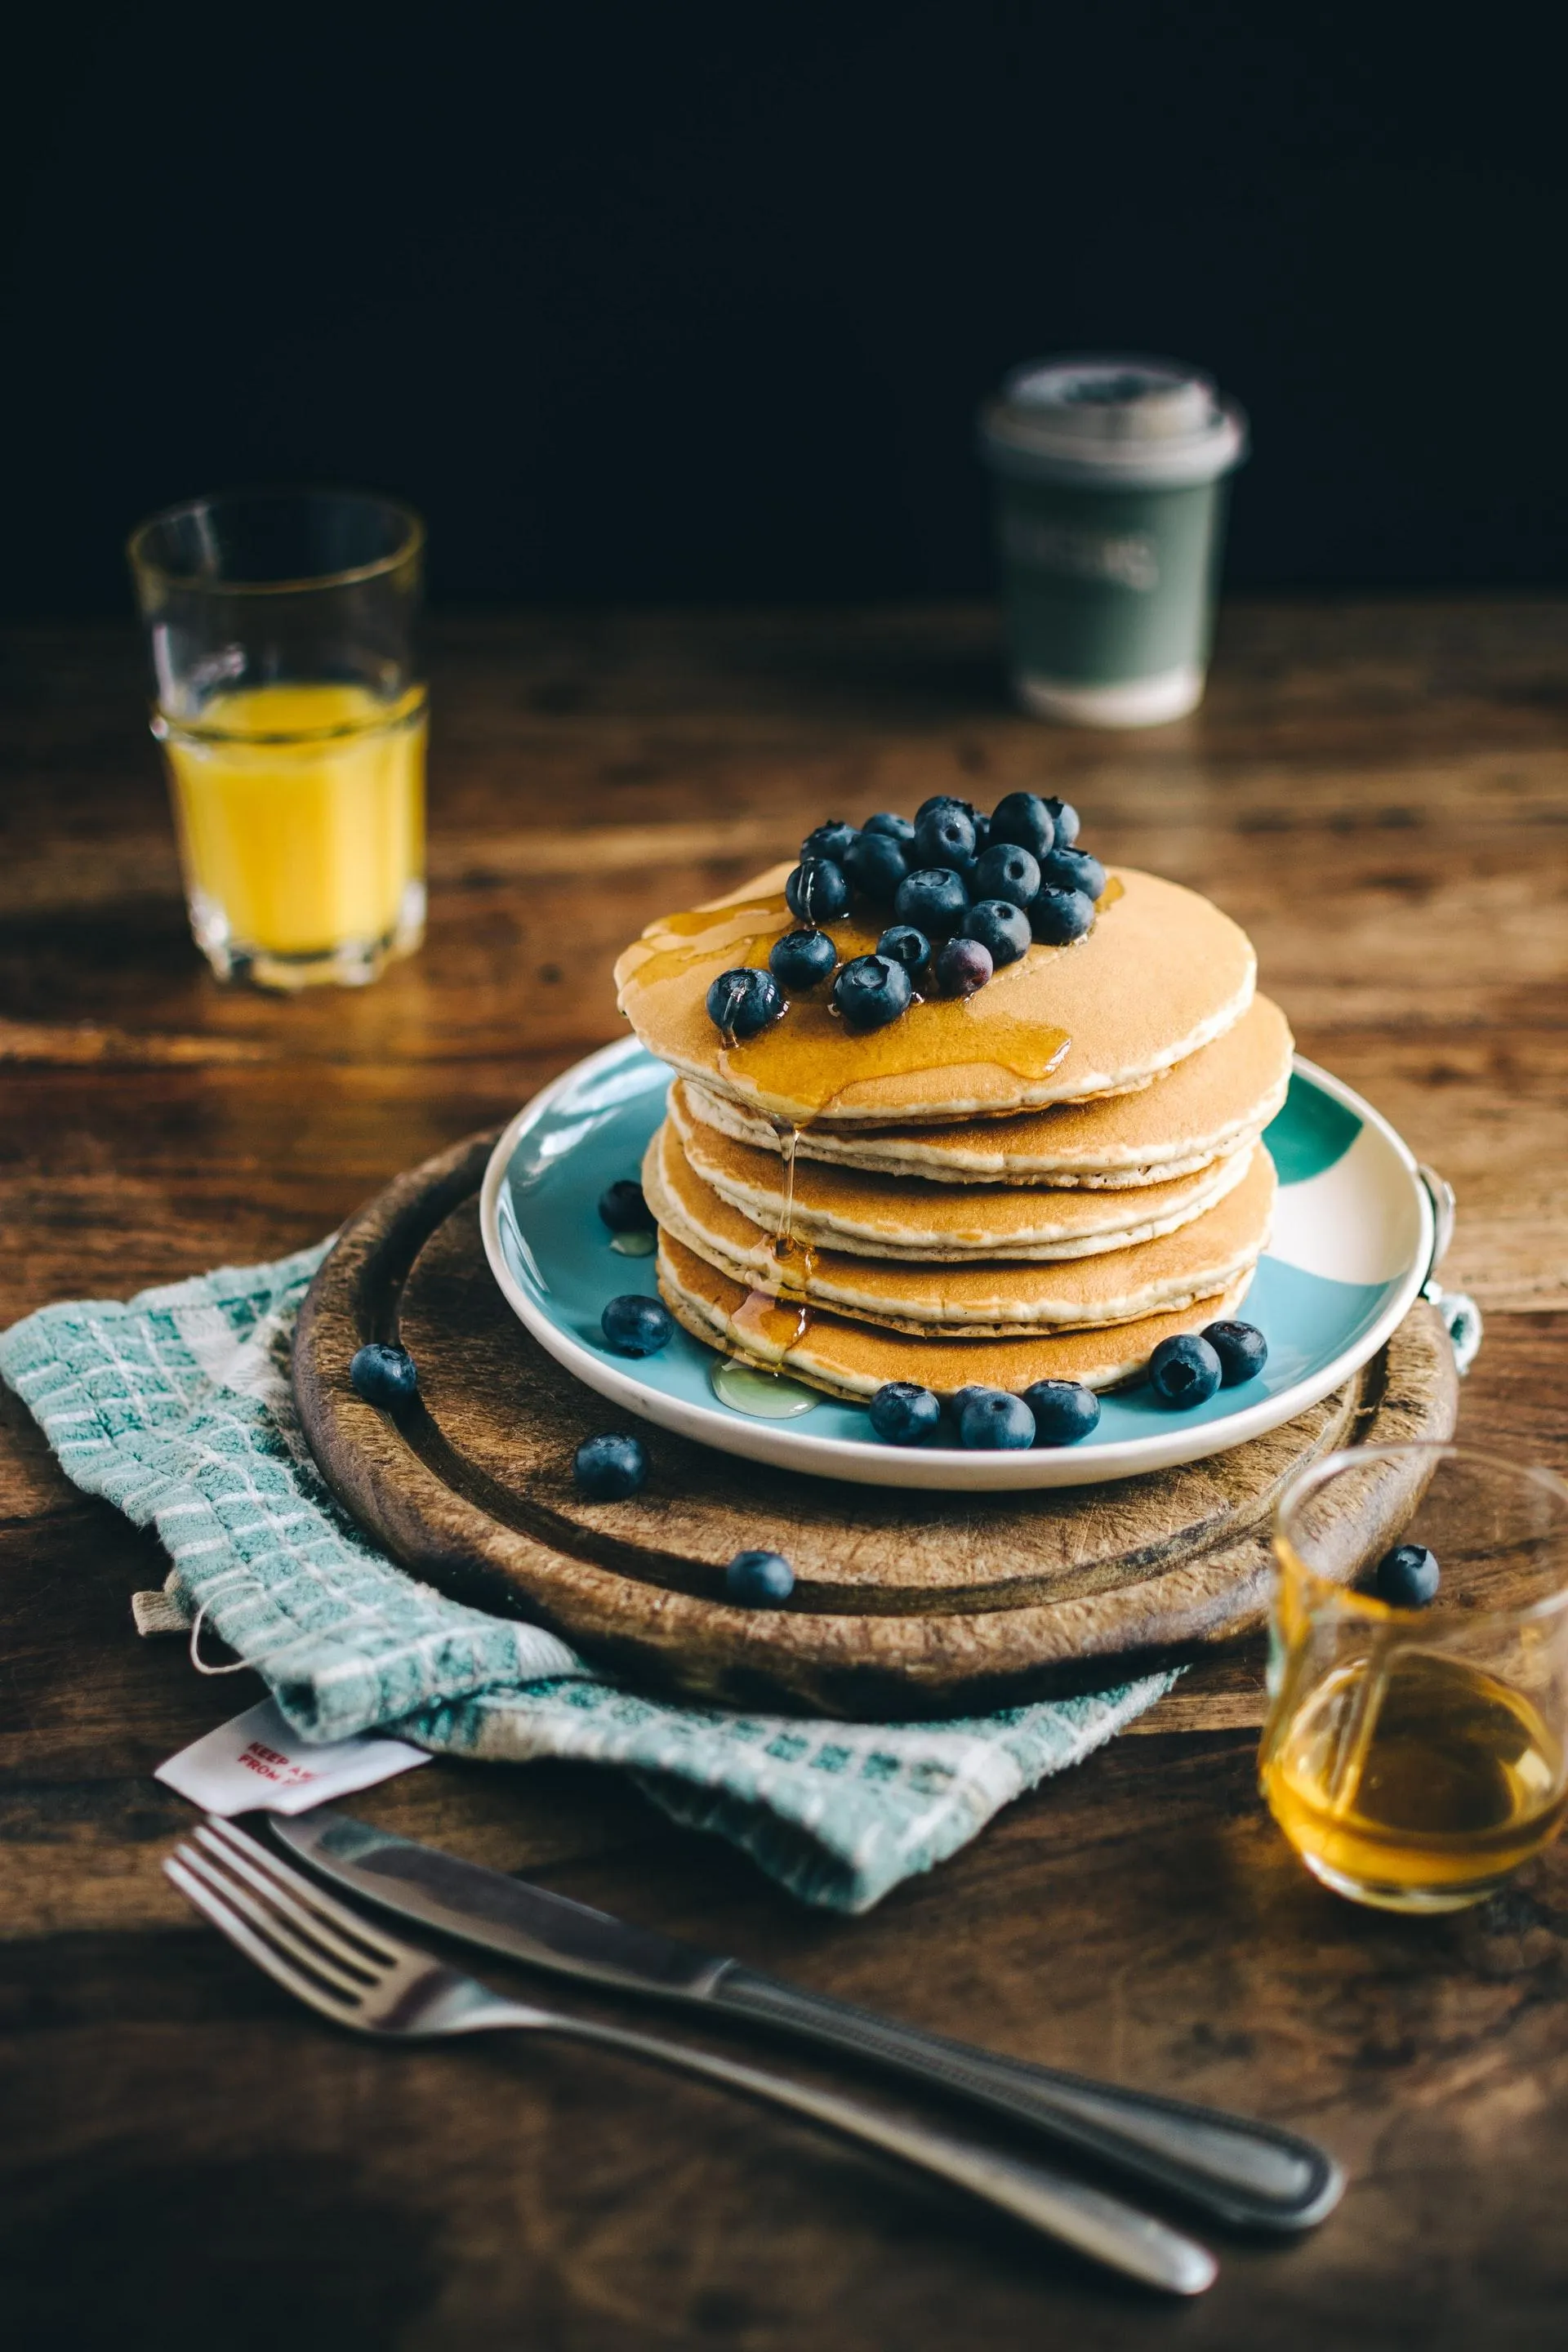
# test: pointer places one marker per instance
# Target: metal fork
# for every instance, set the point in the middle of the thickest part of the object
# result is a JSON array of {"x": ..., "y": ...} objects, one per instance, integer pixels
[{"x": 353, "y": 1970}]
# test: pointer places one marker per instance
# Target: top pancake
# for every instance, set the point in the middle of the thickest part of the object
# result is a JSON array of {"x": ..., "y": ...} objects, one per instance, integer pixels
[
  {"x": 1207, "y": 1106},
  {"x": 1161, "y": 974}
]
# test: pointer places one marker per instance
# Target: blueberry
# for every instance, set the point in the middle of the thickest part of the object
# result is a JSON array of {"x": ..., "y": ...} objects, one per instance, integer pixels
[
  {"x": 1242, "y": 1351},
  {"x": 903, "y": 1413},
  {"x": 623, "y": 1208},
  {"x": 608, "y": 1469},
  {"x": 817, "y": 891},
  {"x": 1001, "y": 928},
  {"x": 1073, "y": 869},
  {"x": 636, "y": 1326},
  {"x": 759, "y": 1579},
  {"x": 1025, "y": 818},
  {"x": 935, "y": 901},
  {"x": 995, "y": 1422},
  {"x": 982, "y": 833},
  {"x": 962, "y": 966},
  {"x": 1064, "y": 817},
  {"x": 896, "y": 828},
  {"x": 1064, "y": 1412},
  {"x": 1408, "y": 1577},
  {"x": 802, "y": 957},
  {"x": 1183, "y": 1371},
  {"x": 383, "y": 1375},
  {"x": 876, "y": 865},
  {"x": 742, "y": 1002},
  {"x": 944, "y": 834},
  {"x": 1007, "y": 872},
  {"x": 958, "y": 1403},
  {"x": 906, "y": 946},
  {"x": 871, "y": 991},
  {"x": 835, "y": 840},
  {"x": 1058, "y": 917}
]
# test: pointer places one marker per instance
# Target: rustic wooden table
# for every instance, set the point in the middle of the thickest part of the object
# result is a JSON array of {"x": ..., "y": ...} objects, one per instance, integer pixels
[{"x": 1379, "y": 792}]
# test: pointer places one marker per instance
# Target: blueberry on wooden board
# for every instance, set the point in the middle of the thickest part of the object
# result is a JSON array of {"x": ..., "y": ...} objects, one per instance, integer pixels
[
  {"x": 759, "y": 1579},
  {"x": 1408, "y": 1577},
  {"x": 608, "y": 1469},
  {"x": 383, "y": 1375}
]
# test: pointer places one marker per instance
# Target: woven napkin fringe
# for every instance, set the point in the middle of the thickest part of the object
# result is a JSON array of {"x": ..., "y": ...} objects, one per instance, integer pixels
[{"x": 176, "y": 1407}]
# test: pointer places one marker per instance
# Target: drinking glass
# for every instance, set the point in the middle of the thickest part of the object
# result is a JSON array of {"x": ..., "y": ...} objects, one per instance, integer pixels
[
  {"x": 291, "y": 709},
  {"x": 1414, "y": 1757}
]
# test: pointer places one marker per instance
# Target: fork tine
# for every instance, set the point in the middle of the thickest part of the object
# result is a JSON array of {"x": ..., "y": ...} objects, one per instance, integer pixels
[
  {"x": 271, "y": 1962},
  {"x": 276, "y": 1929},
  {"x": 316, "y": 1915}
]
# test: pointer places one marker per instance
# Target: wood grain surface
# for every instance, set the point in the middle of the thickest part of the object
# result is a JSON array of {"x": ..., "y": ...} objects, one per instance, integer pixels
[
  {"x": 914, "y": 1603},
  {"x": 1380, "y": 792}
]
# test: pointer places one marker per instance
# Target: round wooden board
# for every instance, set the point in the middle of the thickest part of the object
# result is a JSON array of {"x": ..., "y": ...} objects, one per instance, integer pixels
[{"x": 904, "y": 1605}]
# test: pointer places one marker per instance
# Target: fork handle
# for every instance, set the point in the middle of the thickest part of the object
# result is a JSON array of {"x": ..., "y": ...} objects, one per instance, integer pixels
[
  {"x": 1247, "y": 2173},
  {"x": 1093, "y": 2222}
]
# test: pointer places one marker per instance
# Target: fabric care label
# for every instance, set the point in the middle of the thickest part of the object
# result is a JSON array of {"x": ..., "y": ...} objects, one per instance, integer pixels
[{"x": 256, "y": 1763}]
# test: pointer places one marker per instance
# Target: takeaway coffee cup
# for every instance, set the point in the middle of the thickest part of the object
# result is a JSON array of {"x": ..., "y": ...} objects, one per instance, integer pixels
[{"x": 1111, "y": 479}]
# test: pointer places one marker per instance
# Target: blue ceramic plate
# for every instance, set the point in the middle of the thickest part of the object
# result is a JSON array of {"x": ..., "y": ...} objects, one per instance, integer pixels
[{"x": 1353, "y": 1244}]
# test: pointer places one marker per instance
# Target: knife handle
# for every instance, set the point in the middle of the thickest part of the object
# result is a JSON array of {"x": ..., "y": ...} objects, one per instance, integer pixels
[{"x": 1247, "y": 2173}]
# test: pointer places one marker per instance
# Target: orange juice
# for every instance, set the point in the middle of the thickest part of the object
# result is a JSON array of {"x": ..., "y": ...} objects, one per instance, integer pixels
[{"x": 301, "y": 815}]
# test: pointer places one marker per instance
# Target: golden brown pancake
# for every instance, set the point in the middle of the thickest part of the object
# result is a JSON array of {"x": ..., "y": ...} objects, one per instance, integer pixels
[
  {"x": 911, "y": 1217},
  {"x": 1201, "y": 1109},
  {"x": 853, "y": 1359},
  {"x": 1161, "y": 974},
  {"x": 984, "y": 1298}
]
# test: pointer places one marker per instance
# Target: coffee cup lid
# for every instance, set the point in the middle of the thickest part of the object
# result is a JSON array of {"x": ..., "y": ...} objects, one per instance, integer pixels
[{"x": 1120, "y": 422}]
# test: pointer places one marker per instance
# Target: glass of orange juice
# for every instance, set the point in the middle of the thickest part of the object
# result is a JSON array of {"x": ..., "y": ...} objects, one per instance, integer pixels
[{"x": 291, "y": 707}]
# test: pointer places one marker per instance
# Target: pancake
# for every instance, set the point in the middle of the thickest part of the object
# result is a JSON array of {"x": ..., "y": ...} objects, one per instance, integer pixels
[
  {"x": 1197, "y": 1112},
  {"x": 981, "y": 1299},
  {"x": 911, "y": 1217},
  {"x": 852, "y": 1359},
  {"x": 1161, "y": 974}
]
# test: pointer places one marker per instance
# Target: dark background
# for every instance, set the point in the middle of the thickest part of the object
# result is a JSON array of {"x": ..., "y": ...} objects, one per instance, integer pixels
[{"x": 696, "y": 303}]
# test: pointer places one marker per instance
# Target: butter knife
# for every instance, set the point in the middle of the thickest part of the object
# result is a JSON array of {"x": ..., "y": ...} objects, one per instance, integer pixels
[{"x": 1254, "y": 2175}]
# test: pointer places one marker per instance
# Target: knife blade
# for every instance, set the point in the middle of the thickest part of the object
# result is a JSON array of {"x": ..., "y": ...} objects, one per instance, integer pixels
[{"x": 1257, "y": 2175}]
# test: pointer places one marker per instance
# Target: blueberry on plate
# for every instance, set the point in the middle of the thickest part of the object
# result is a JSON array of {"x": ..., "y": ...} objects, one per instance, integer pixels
[
  {"x": 1408, "y": 1577},
  {"x": 944, "y": 834},
  {"x": 935, "y": 901},
  {"x": 871, "y": 991},
  {"x": 996, "y": 1422},
  {"x": 1073, "y": 869},
  {"x": 1242, "y": 1351},
  {"x": 1025, "y": 818},
  {"x": 759, "y": 1579},
  {"x": 743, "y": 1001},
  {"x": 817, "y": 891},
  {"x": 383, "y": 1375},
  {"x": 896, "y": 828},
  {"x": 1183, "y": 1371},
  {"x": 608, "y": 1469},
  {"x": 906, "y": 946},
  {"x": 962, "y": 966},
  {"x": 903, "y": 1413},
  {"x": 635, "y": 1325},
  {"x": 1064, "y": 1411},
  {"x": 1001, "y": 928},
  {"x": 876, "y": 865},
  {"x": 1007, "y": 872},
  {"x": 623, "y": 1208},
  {"x": 1058, "y": 917},
  {"x": 835, "y": 840},
  {"x": 802, "y": 957},
  {"x": 1064, "y": 818}
]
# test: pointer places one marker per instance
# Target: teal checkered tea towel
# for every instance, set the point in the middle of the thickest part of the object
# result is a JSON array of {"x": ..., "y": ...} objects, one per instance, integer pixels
[{"x": 176, "y": 1407}]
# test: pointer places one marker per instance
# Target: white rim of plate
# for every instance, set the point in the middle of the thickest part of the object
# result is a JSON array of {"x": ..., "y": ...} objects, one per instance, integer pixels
[{"x": 868, "y": 1462}]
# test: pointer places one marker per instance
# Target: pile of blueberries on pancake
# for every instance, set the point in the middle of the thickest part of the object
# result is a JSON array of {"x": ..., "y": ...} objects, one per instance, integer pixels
[{"x": 966, "y": 894}]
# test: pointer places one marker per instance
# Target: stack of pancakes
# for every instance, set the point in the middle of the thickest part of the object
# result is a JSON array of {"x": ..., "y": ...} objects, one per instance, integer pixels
[{"x": 1041, "y": 1182}]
